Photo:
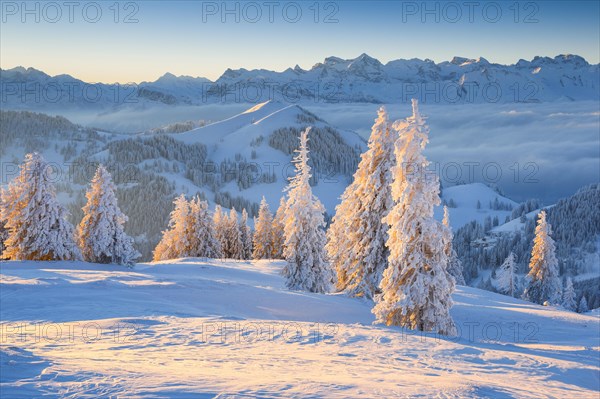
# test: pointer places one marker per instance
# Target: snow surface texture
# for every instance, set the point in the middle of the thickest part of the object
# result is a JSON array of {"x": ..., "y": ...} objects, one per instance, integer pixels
[{"x": 192, "y": 328}]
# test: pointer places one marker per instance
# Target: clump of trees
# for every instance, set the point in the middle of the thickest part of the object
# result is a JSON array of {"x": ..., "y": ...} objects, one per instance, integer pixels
[{"x": 35, "y": 225}]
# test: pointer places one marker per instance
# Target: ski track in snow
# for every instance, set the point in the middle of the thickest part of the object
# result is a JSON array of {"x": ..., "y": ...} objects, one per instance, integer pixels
[{"x": 196, "y": 328}]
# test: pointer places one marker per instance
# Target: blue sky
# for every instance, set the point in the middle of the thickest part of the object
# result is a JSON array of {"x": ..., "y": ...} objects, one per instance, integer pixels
[{"x": 201, "y": 39}]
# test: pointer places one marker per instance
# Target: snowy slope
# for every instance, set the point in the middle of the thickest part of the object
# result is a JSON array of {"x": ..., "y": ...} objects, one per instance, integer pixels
[
  {"x": 204, "y": 329},
  {"x": 466, "y": 196},
  {"x": 216, "y": 132},
  {"x": 236, "y": 135},
  {"x": 516, "y": 224}
]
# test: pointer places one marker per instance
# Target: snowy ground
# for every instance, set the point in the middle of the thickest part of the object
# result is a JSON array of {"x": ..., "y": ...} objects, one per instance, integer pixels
[{"x": 197, "y": 329}]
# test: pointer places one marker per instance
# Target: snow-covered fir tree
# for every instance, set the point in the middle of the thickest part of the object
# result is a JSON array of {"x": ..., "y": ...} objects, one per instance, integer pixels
[
  {"x": 233, "y": 249},
  {"x": 278, "y": 229},
  {"x": 583, "y": 305},
  {"x": 191, "y": 232},
  {"x": 306, "y": 265},
  {"x": 543, "y": 282},
  {"x": 506, "y": 277},
  {"x": 575, "y": 238},
  {"x": 416, "y": 287},
  {"x": 568, "y": 300},
  {"x": 3, "y": 235},
  {"x": 36, "y": 222},
  {"x": 263, "y": 239},
  {"x": 220, "y": 221},
  {"x": 203, "y": 241},
  {"x": 100, "y": 234},
  {"x": 454, "y": 264},
  {"x": 356, "y": 239},
  {"x": 245, "y": 236},
  {"x": 175, "y": 241}
]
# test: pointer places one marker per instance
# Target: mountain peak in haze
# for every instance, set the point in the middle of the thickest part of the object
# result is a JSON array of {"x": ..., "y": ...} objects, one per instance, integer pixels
[
  {"x": 461, "y": 61},
  {"x": 565, "y": 77},
  {"x": 366, "y": 58},
  {"x": 167, "y": 76}
]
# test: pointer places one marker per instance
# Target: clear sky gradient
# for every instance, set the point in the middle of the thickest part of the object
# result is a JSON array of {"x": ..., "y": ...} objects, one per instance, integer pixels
[{"x": 201, "y": 38}]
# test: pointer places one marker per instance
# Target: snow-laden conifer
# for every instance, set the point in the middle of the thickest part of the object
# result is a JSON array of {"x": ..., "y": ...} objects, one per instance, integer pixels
[
  {"x": 506, "y": 277},
  {"x": 234, "y": 248},
  {"x": 583, "y": 305},
  {"x": 568, "y": 301},
  {"x": 101, "y": 236},
  {"x": 543, "y": 282},
  {"x": 245, "y": 236},
  {"x": 36, "y": 222},
  {"x": 306, "y": 265},
  {"x": 278, "y": 229},
  {"x": 416, "y": 287},
  {"x": 3, "y": 235},
  {"x": 175, "y": 240},
  {"x": 356, "y": 239},
  {"x": 263, "y": 239},
  {"x": 202, "y": 235},
  {"x": 454, "y": 264},
  {"x": 220, "y": 221}
]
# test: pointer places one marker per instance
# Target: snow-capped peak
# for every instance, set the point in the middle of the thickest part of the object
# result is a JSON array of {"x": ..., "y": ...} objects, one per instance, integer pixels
[
  {"x": 167, "y": 76},
  {"x": 361, "y": 79},
  {"x": 459, "y": 60}
]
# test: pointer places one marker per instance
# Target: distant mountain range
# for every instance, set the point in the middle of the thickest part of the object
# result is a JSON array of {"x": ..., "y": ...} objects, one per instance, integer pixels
[{"x": 359, "y": 80}]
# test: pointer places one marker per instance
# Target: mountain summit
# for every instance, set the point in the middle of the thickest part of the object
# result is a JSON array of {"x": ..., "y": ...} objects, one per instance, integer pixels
[{"x": 358, "y": 80}]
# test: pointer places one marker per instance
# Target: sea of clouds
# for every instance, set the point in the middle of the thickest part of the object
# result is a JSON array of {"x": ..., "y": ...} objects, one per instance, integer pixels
[{"x": 544, "y": 150}]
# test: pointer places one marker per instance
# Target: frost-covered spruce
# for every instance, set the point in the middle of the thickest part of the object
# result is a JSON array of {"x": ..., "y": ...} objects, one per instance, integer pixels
[
  {"x": 583, "y": 305},
  {"x": 543, "y": 282},
  {"x": 506, "y": 277},
  {"x": 3, "y": 235},
  {"x": 278, "y": 229},
  {"x": 245, "y": 236},
  {"x": 100, "y": 234},
  {"x": 234, "y": 241},
  {"x": 306, "y": 265},
  {"x": 174, "y": 242},
  {"x": 220, "y": 222},
  {"x": 263, "y": 233},
  {"x": 416, "y": 288},
  {"x": 202, "y": 236},
  {"x": 568, "y": 301},
  {"x": 36, "y": 222},
  {"x": 356, "y": 239},
  {"x": 454, "y": 264}
]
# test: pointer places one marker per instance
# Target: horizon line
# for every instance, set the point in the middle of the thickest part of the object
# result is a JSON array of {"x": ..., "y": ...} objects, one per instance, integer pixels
[{"x": 293, "y": 68}]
